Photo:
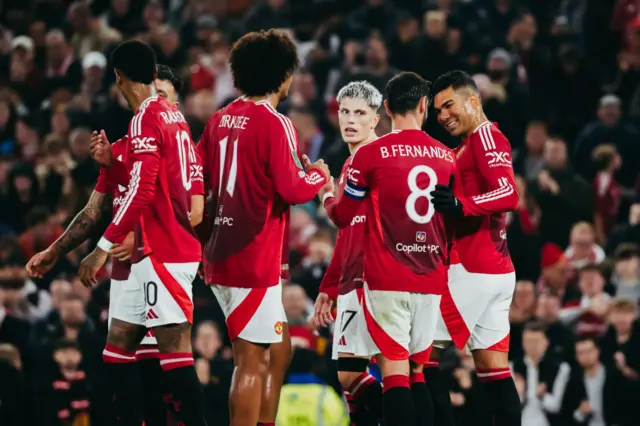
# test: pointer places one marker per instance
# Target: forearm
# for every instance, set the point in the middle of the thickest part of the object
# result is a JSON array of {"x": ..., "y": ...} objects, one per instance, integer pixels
[{"x": 85, "y": 223}]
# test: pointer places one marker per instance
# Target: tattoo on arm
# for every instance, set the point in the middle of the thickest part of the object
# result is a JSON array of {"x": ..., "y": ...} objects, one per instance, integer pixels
[{"x": 85, "y": 222}]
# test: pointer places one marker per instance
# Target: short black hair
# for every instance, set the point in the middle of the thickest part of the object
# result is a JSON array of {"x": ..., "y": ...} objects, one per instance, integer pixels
[
  {"x": 536, "y": 326},
  {"x": 261, "y": 61},
  {"x": 456, "y": 80},
  {"x": 585, "y": 338},
  {"x": 65, "y": 343},
  {"x": 136, "y": 60},
  {"x": 404, "y": 92},
  {"x": 168, "y": 74}
]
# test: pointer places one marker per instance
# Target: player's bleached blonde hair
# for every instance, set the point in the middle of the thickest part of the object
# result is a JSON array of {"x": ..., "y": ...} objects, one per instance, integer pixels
[{"x": 361, "y": 90}]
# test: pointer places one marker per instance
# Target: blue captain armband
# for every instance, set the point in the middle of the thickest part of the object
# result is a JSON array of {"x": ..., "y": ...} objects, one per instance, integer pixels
[{"x": 355, "y": 192}]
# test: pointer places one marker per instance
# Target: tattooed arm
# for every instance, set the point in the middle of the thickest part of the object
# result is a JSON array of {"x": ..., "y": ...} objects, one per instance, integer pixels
[
  {"x": 99, "y": 205},
  {"x": 85, "y": 222}
]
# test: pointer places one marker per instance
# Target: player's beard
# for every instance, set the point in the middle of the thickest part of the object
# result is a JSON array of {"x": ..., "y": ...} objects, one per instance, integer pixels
[{"x": 283, "y": 96}]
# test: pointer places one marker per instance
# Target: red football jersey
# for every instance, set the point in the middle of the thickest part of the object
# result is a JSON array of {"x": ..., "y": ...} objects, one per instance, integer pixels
[
  {"x": 345, "y": 270},
  {"x": 486, "y": 189},
  {"x": 119, "y": 270},
  {"x": 249, "y": 155},
  {"x": 160, "y": 160},
  {"x": 406, "y": 242}
]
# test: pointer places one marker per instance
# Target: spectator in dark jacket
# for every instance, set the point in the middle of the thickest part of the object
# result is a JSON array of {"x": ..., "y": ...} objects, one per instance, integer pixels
[{"x": 563, "y": 196}]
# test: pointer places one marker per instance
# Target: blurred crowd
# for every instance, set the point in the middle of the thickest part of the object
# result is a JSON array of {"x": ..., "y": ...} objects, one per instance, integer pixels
[{"x": 558, "y": 76}]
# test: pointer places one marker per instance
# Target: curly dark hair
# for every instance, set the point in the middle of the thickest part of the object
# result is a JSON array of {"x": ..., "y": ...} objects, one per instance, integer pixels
[
  {"x": 168, "y": 74},
  {"x": 261, "y": 61},
  {"x": 136, "y": 60}
]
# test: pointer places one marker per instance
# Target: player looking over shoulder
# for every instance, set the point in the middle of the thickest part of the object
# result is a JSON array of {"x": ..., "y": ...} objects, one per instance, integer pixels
[
  {"x": 166, "y": 251},
  {"x": 358, "y": 104},
  {"x": 250, "y": 160},
  {"x": 105, "y": 201},
  {"x": 475, "y": 308},
  {"x": 405, "y": 244}
]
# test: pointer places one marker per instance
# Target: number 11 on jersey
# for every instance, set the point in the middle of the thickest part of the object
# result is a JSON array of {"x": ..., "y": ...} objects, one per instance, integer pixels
[{"x": 233, "y": 170}]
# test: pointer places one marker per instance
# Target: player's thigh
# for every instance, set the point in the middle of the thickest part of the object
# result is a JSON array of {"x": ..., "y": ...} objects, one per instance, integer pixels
[
  {"x": 255, "y": 315},
  {"x": 425, "y": 309},
  {"x": 126, "y": 301},
  {"x": 167, "y": 291},
  {"x": 492, "y": 328},
  {"x": 465, "y": 298},
  {"x": 388, "y": 318}
]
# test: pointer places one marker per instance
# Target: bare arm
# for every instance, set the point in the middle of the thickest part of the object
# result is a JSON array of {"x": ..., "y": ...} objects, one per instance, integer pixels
[{"x": 85, "y": 222}]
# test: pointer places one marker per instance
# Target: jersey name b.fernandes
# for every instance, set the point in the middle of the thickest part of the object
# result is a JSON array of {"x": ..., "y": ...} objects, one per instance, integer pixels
[
  {"x": 251, "y": 165},
  {"x": 406, "y": 243}
]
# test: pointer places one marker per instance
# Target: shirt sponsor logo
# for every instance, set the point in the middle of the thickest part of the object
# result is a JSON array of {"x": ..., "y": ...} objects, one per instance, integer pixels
[
  {"x": 417, "y": 248},
  {"x": 358, "y": 219},
  {"x": 196, "y": 172},
  {"x": 352, "y": 174},
  {"x": 421, "y": 237},
  {"x": 141, "y": 145},
  {"x": 499, "y": 159}
]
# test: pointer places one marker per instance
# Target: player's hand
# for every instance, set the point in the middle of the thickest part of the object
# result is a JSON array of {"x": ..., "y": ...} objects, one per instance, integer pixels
[
  {"x": 322, "y": 311},
  {"x": 123, "y": 251},
  {"x": 319, "y": 165},
  {"x": 101, "y": 149},
  {"x": 457, "y": 399},
  {"x": 444, "y": 201},
  {"x": 541, "y": 390},
  {"x": 585, "y": 408},
  {"x": 328, "y": 187},
  {"x": 90, "y": 266},
  {"x": 42, "y": 262}
]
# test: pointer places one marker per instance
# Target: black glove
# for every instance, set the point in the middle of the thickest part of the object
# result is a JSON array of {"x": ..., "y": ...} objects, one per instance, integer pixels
[{"x": 444, "y": 201}]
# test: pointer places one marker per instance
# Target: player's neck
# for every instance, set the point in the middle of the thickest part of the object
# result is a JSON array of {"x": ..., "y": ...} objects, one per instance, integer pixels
[
  {"x": 477, "y": 121},
  {"x": 272, "y": 98},
  {"x": 353, "y": 147},
  {"x": 140, "y": 93},
  {"x": 405, "y": 122}
]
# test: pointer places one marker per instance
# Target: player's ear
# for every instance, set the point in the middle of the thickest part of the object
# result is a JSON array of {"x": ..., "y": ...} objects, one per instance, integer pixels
[
  {"x": 118, "y": 77},
  {"x": 386, "y": 108},
  {"x": 422, "y": 105},
  {"x": 375, "y": 121},
  {"x": 155, "y": 74}
]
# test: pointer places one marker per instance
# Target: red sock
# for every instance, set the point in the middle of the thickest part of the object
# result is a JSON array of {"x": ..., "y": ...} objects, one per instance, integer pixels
[
  {"x": 114, "y": 355},
  {"x": 266, "y": 424},
  {"x": 395, "y": 381},
  {"x": 367, "y": 392},
  {"x": 175, "y": 360},
  {"x": 492, "y": 374},
  {"x": 416, "y": 378}
]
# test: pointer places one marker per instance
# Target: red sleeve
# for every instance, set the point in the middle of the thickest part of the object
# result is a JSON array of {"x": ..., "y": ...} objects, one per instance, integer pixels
[
  {"x": 294, "y": 185},
  {"x": 343, "y": 211},
  {"x": 201, "y": 152},
  {"x": 103, "y": 185},
  {"x": 145, "y": 163},
  {"x": 492, "y": 154},
  {"x": 196, "y": 175},
  {"x": 331, "y": 278},
  {"x": 284, "y": 269},
  {"x": 118, "y": 173}
]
